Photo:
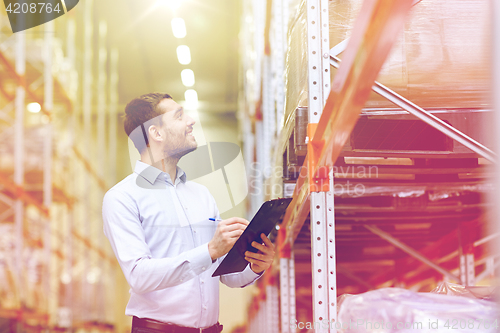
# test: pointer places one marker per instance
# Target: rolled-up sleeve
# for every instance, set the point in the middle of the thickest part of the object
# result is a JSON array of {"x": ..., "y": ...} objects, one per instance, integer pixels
[{"x": 122, "y": 226}]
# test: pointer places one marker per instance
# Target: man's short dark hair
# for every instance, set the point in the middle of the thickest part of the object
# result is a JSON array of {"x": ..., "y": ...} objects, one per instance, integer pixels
[{"x": 143, "y": 111}]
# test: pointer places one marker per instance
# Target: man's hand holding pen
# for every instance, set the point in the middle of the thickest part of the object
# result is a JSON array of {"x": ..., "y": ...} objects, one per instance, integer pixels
[{"x": 227, "y": 233}]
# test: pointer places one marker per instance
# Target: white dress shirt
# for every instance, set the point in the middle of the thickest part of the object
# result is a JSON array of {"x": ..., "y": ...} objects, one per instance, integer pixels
[{"x": 159, "y": 232}]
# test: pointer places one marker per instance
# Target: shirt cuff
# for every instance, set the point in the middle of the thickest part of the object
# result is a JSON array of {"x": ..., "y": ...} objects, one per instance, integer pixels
[
  {"x": 251, "y": 275},
  {"x": 200, "y": 259}
]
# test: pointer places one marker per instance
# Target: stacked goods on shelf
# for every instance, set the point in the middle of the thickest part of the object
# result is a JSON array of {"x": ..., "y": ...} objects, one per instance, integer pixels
[
  {"x": 55, "y": 271},
  {"x": 440, "y": 61},
  {"x": 395, "y": 170},
  {"x": 397, "y": 178}
]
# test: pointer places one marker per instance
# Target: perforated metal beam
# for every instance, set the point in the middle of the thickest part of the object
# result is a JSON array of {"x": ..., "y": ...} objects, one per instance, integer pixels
[
  {"x": 331, "y": 254},
  {"x": 489, "y": 269},
  {"x": 317, "y": 57},
  {"x": 319, "y": 258},
  {"x": 272, "y": 305},
  {"x": 467, "y": 269}
]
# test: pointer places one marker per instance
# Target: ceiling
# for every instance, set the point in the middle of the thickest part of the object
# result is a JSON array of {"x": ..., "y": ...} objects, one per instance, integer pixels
[{"x": 141, "y": 30}]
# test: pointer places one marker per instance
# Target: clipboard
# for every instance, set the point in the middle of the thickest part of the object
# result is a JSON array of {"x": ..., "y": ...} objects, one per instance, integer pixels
[{"x": 269, "y": 214}]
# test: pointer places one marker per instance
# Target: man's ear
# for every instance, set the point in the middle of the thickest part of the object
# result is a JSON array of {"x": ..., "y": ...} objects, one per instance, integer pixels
[{"x": 154, "y": 133}]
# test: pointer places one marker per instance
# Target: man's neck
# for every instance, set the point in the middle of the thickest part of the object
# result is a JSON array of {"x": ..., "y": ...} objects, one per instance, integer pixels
[{"x": 167, "y": 164}]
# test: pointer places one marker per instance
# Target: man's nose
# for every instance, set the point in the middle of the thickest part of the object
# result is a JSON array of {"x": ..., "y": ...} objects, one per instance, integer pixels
[{"x": 190, "y": 121}]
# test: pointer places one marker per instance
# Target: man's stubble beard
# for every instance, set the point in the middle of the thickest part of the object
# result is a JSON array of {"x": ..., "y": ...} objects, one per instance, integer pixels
[{"x": 179, "y": 152}]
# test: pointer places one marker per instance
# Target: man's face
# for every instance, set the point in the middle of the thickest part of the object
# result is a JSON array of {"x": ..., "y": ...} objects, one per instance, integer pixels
[{"x": 177, "y": 127}]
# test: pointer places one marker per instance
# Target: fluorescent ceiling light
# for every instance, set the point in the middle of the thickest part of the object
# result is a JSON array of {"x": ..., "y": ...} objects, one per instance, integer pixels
[
  {"x": 173, "y": 4},
  {"x": 183, "y": 54},
  {"x": 34, "y": 107},
  {"x": 178, "y": 27},
  {"x": 191, "y": 97},
  {"x": 187, "y": 77}
]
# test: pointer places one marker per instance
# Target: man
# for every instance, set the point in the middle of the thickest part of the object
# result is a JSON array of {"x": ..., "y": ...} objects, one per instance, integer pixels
[{"x": 159, "y": 227}]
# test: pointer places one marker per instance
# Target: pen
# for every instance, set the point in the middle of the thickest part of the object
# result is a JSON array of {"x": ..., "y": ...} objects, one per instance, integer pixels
[{"x": 215, "y": 220}]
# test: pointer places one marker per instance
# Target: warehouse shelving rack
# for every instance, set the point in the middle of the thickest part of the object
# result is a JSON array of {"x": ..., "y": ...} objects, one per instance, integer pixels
[
  {"x": 56, "y": 273},
  {"x": 495, "y": 19},
  {"x": 332, "y": 117}
]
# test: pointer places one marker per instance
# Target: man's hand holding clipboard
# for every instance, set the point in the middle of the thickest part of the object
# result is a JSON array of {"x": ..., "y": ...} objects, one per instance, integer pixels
[
  {"x": 263, "y": 259},
  {"x": 251, "y": 247}
]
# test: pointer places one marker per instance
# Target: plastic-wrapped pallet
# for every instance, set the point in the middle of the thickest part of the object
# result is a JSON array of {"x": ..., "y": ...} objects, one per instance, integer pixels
[
  {"x": 389, "y": 310},
  {"x": 482, "y": 292}
]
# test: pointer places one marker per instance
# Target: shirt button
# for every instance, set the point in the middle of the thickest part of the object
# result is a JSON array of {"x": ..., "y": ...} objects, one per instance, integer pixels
[
  {"x": 182, "y": 280},
  {"x": 204, "y": 307},
  {"x": 202, "y": 281},
  {"x": 194, "y": 231},
  {"x": 203, "y": 268}
]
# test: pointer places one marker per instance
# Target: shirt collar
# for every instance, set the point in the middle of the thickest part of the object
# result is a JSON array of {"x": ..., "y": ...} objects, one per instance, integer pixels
[{"x": 151, "y": 173}]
